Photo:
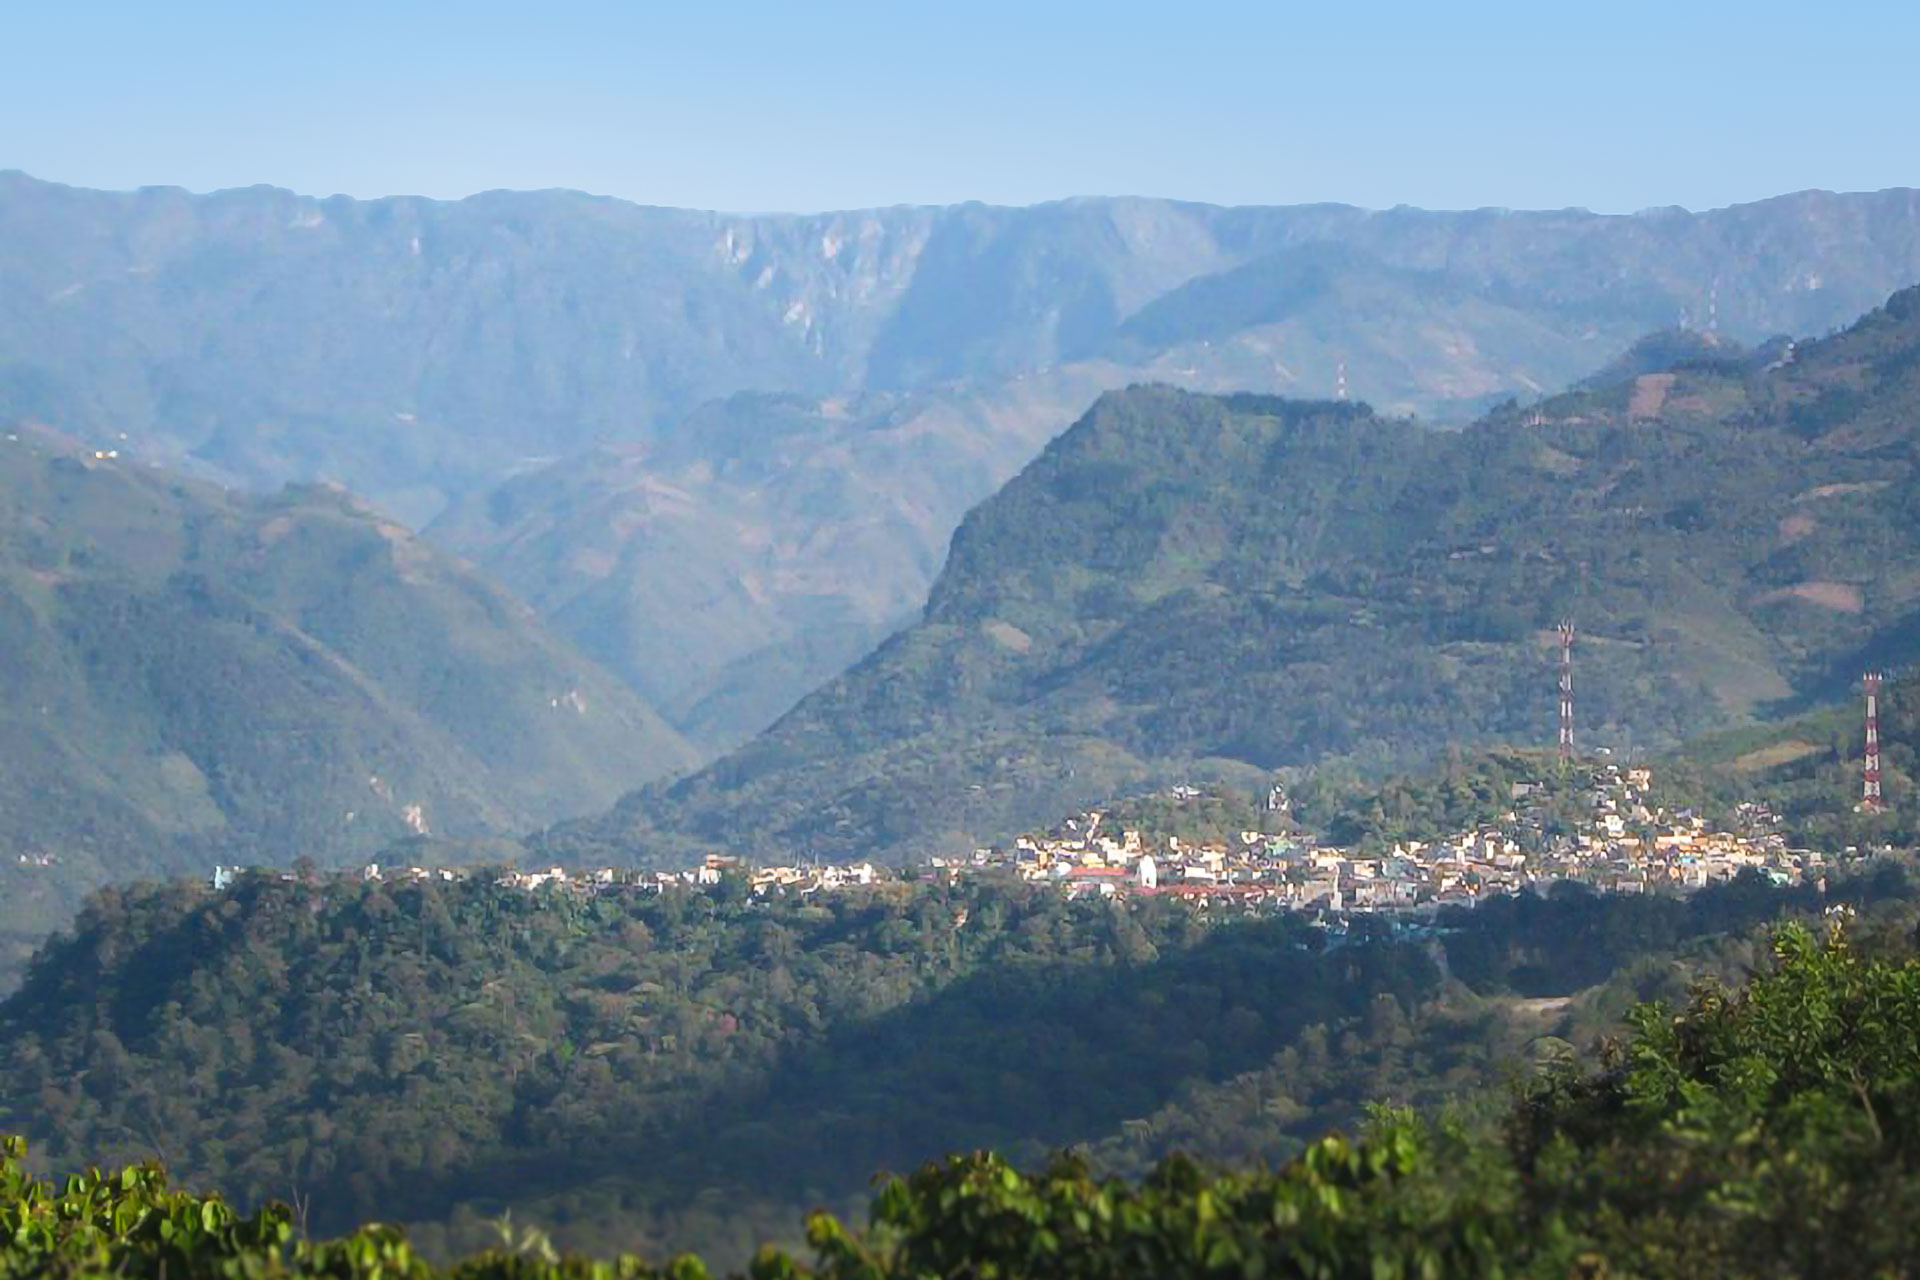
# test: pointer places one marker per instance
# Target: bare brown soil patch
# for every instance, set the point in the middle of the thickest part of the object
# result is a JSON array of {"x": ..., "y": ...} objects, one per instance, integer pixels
[
  {"x": 1841, "y": 597},
  {"x": 1649, "y": 395},
  {"x": 1836, "y": 490},
  {"x": 1796, "y": 527},
  {"x": 1007, "y": 636}
]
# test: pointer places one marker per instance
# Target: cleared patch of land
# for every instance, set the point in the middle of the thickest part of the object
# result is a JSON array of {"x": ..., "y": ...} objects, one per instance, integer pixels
[
  {"x": 1841, "y": 597},
  {"x": 1796, "y": 527},
  {"x": 1649, "y": 395},
  {"x": 1774, "y": 755}
]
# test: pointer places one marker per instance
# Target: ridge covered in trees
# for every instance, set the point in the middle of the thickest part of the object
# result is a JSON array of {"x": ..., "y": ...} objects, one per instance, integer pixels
[
  {"x": 1766, "y": 1129},
  {"x": 692, "y": 1070},
  {"x": 1805, "y": 769}
]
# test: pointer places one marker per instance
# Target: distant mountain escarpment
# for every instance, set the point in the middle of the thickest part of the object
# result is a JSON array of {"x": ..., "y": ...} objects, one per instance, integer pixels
[
  {"x": 419, "y": 350},
  {"x": 761, "y": 547}
]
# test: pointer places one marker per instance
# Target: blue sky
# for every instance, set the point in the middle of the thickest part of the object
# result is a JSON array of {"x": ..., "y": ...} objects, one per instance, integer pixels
[{"x": 836, "y": 104}]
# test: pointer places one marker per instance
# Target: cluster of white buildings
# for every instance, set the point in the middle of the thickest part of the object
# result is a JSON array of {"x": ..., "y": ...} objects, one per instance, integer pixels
[
  {"x": 800, "y": 881},
  {"x": 760, "y": 881},
  {"x": 1623, "y": 846}
]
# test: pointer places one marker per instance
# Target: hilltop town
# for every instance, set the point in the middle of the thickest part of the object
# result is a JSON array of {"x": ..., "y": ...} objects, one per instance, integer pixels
[
  {"x": 1624, "y": 844},
  {"x": 1620, "y": 841}
]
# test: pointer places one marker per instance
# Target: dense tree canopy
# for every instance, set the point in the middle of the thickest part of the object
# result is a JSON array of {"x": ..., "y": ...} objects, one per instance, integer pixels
[
  {"x": 1766, "y": 1130},
  {"x": 690, "y": 1070}
]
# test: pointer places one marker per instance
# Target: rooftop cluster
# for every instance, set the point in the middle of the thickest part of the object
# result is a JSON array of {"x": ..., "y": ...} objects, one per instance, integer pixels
[{"x": 1622, "y": 843}]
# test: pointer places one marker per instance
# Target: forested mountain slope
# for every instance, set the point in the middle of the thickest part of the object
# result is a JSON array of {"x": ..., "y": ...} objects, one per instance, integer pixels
[
  {"x": 1185, "y": 583},
  {"x": 1808, "y": 768},
  {"x": 429, "y": 353},
  {"x": 195, "y": 677}
]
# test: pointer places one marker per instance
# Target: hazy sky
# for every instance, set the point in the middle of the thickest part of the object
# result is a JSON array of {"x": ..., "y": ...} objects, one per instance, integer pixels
[{"x": 834, "y": 104}]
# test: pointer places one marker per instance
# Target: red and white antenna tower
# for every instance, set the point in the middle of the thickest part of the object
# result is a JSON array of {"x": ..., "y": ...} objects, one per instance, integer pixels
[
  {"x": 1340, "y": 381},
  {"x": 1566, "y": 694},
  {"x": 1870, "y": 786}
]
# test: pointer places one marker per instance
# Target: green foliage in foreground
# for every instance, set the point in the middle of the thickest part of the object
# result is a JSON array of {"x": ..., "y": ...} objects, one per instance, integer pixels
[
  {"x": 438, "y": 1054},
  {"x": 1768, "y": 1131}
]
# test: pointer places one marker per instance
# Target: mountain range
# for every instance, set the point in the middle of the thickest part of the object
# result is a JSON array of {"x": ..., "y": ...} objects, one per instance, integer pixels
[
  {"x": 426, "y": 353},
  {"x": 722, "y": 458},
  {"x": 1185, "y": 585}
]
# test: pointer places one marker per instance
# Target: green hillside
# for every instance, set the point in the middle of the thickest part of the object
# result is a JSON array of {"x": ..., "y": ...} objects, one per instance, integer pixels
[
  {"x": 730, "y": 563},
  {"x": 1185, "y": 585},
  {"x": 194, "y": 677},
  {"x": 539, "y": 372}
]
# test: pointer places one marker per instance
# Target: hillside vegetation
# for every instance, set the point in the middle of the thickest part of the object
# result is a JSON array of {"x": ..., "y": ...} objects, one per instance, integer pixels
[
  {"x": 1807, "y": 769},
  {"x": 440, "y": 1053},
  {"x": 1770, "y": 1128},
  {"x": 195, "y": 677},
  {"x": 1186, "y": 585},
  {"x": 1804, "y": 769}
]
